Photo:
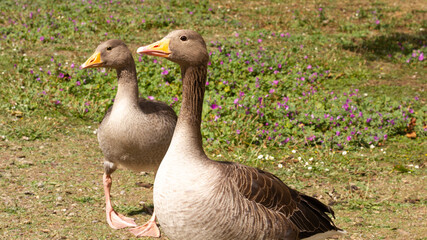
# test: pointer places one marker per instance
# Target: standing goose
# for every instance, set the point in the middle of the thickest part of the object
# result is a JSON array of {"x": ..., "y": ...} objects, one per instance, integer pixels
[
  {"x": 198, "y": 198},
  {"x": 135, "y": 133}
]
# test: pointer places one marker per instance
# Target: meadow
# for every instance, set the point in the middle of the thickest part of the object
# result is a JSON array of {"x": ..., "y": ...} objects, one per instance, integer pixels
[{"x": 329, "y": 96}]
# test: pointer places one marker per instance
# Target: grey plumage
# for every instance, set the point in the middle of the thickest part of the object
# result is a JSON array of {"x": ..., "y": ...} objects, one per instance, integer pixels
[
  {"x": 198, "y": 198},
  {"x": 135, "y": 132}
]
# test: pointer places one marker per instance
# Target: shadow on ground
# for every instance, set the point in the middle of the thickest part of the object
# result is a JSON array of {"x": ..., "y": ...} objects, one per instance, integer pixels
[{"x": 385, "y": 46}]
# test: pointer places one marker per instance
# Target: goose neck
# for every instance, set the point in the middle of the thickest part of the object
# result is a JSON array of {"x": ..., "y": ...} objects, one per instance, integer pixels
[
  {"x": 189, "y": 120},
  {"x": 127, "y": 84}
]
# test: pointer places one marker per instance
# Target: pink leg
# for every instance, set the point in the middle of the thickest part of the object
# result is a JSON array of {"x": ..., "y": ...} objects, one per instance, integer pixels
[
  {"x": 114, "y": 219},
  {"x": 149, "y": 229}
]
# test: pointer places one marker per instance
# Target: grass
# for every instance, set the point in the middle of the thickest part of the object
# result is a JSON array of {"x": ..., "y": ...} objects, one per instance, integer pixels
[{"x": 51, "y": 168}]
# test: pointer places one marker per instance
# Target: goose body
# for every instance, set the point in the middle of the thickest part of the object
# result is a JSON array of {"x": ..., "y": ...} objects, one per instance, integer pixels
[
  {"x": 198, "y": 198},
  {"x": 135, "y": 132}
]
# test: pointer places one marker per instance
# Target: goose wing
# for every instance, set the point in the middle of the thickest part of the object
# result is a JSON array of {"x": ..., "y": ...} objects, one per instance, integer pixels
[{"x": 308, "y": 214}]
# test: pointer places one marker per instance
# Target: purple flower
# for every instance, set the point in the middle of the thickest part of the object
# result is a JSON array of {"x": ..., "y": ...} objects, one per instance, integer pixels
[
  {"x": 78, "y": 83},
  {"x": 165, "y": 72},
  {"x": 259, "y": 40},
  {"x": 61, "y": 75},
  {"x": 42, "y": 38},
  {"x": 337, "y": 133},
  {"x": 385, "y": 137},
  {"x": 421, "y": 57},
  {"x": 236, "y": 35},
  {"x": 377, "y": 21},
  {"x": 368, "y": 120},
  {"x": 238, "y": 131},
  {"x": 236, "y": 101},
  {"x": 349, "y": 138},
  {"x": 309, "y": 67},
  {"x": 250, "y": 69},
  {"x": 214, "y": 106},
  {"x": 57, "y": 102},
  {"x": 150, "y": 97}
]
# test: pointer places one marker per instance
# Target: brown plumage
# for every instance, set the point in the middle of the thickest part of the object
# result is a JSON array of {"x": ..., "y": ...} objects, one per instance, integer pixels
[
  {"x": 134, "y": 133},
  {"x": 198, "y": 198}
]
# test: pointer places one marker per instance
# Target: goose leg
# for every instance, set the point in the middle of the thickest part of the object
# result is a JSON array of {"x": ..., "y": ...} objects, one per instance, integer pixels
[
  {"x": 149, "y": 229},
  {"x": 114, "y": 219}
]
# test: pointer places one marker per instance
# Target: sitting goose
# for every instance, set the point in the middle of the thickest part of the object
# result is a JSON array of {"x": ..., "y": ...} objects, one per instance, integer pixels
[
  {"x": 198, "y": 198},
  {"x": 135, "y": 133}
]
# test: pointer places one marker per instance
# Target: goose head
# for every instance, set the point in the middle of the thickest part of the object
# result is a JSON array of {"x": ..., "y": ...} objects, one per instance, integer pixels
[
  {"x": 185, "y": 47},
  {"x": 110, "y": 54}
]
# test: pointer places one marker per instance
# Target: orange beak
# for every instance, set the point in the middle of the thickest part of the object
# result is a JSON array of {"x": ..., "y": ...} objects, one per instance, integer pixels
[
  {"x": 159, "y": 48},
  {"x": 94, "y": 61}
]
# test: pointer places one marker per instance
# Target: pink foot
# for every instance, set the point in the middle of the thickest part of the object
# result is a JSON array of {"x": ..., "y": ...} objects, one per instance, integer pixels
[
  {"x": 117, "y": 220},
  {"x": 149, "y": 229},
  {"x": 114, "y": 219}
]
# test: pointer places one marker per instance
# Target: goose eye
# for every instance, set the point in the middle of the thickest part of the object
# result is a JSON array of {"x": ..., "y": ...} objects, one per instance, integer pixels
[
  {"x": 109, "y": 48},
  {"x": 183, "y": 38}
]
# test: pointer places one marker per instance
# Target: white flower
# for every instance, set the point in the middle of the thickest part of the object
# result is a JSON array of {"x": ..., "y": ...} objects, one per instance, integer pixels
[
  {"x": 326, "y": 169},
  {"x": 309, "y": 168},
  {"x": 361, "y": 147},
  {"x": 219, "y": 155},
  {"x": 299, "y": 158},
  {"x": 311, "y": 159},
  {"x": 365, "y": 94},
  {"x": 381, "y": 149},
  {"x": 416, "y": 166},
  {"x": 344, "y": 153},
  {"x": 260, "y": 156},
  {"x": 384, "y": 152},
  {"x": 372, "y": 146},
  {"x": 294, "y": 151},
  {"x": 279, "y": 165}
]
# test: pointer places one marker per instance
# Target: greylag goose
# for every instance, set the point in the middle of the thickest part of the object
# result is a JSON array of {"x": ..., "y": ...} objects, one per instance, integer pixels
[
  {"x": 198, "y": 198},
  {"x": 135, "y": 133}
]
